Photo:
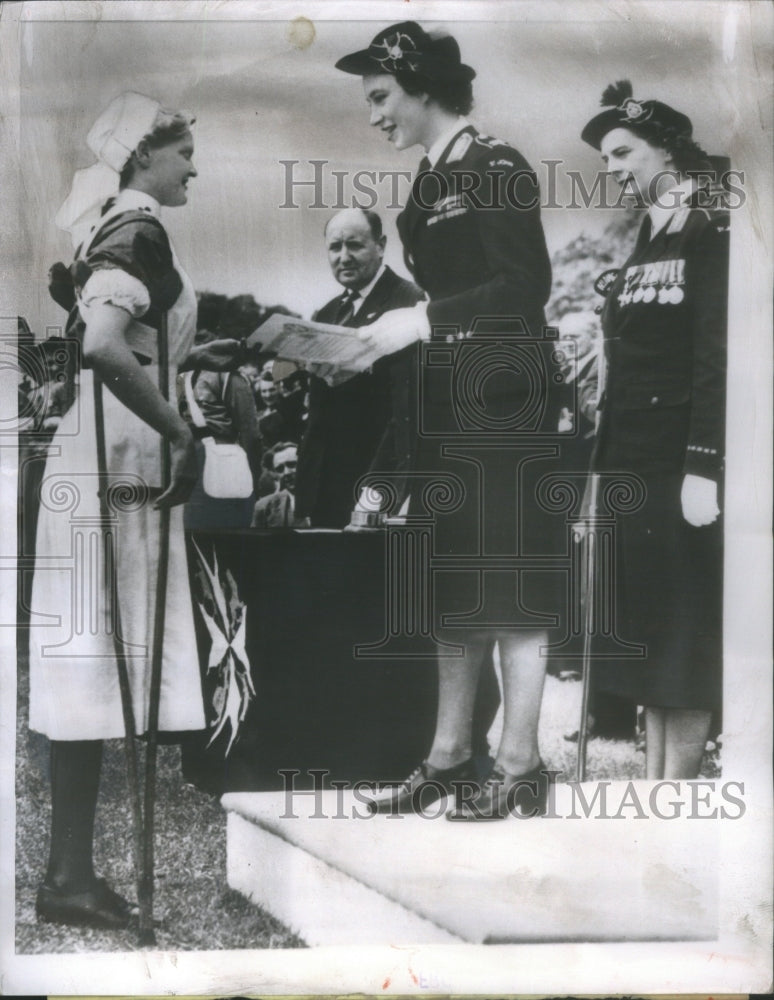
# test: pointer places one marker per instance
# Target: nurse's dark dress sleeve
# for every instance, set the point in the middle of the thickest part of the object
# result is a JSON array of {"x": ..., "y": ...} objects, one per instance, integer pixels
[
  {"x": 131, "y": 254},
  {"x": 707, "y": 279}
]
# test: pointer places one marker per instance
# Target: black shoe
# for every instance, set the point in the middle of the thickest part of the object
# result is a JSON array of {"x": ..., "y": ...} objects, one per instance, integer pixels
[
  {"x": 503, "y": 794},
  {"x": 97, "y": 906},
  {"x": 423, "y": 787}
]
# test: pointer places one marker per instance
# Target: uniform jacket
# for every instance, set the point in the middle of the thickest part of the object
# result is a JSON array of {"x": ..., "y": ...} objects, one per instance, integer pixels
[
  {"x": 664, "y": 321},
  {"x": 473, "y": 239},
  {"x": 347, "y": 423},
  {"x": 473, "y": 260}
]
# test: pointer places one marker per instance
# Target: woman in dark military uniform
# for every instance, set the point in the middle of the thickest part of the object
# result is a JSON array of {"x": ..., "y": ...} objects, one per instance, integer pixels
[
  {"x": 473, "y": 240},
  {"x": 663, "y": 419}
]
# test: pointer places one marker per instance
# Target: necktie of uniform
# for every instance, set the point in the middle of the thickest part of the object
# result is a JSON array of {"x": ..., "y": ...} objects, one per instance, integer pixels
[
  {"x": 643, "y": 237},
  {"x": 424, "y": 165},
  {"x": 347, "y": 307}
]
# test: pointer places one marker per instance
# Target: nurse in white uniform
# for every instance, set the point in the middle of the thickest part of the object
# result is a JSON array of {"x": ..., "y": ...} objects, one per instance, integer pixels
[{"x": 125, "y": 278}]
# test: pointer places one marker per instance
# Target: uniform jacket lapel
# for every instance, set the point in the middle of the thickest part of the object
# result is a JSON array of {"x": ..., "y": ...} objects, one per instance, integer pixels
[{"x": 413, "y": 214}]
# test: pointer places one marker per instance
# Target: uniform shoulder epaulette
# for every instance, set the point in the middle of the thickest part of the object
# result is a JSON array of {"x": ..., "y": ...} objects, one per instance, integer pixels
[
  {"x": 460, "y": 148},
  {"x": 716, "y": 217},
  {"x": 491, "y": 142}
]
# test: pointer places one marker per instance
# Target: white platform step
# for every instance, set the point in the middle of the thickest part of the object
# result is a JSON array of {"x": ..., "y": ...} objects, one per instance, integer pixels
[{"x": 335, "y": 878}]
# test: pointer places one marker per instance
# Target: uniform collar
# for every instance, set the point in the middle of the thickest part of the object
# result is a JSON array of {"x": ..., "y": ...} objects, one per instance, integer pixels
[
  {"x": 445, "y": 139},
  {"x": 131, "y": 200},
  {"x": 672, "y": 199}
]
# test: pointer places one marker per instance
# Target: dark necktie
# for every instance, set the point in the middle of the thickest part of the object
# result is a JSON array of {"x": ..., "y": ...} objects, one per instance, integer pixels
[
  {"x": 643, "y": 237},
  {"x": 424, "y": 165},
  {"x": 347, "y": 307}
]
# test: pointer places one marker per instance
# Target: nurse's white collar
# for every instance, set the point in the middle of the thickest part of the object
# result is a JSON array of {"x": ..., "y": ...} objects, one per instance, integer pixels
[{"x": 132, "y": 200}]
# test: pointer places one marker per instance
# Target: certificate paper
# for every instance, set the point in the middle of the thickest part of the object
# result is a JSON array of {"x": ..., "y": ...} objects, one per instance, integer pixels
[
  {"x": 334, "y": 353},
  {"x": 282, "y": 143}
]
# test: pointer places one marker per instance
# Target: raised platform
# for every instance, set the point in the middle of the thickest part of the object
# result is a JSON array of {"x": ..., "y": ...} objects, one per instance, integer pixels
[{"x": 336, "y": 877}]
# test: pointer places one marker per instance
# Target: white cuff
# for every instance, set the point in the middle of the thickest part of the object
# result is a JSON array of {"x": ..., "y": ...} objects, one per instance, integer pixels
[{"x": 116, "y": 288}]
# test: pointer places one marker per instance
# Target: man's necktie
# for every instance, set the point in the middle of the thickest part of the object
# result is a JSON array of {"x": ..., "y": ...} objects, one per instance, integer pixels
[{"x": 347, "y": 307}]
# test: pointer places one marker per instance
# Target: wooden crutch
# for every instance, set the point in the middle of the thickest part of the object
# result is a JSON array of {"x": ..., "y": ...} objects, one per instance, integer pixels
[
  {"x": 127, "y": 709},
  {"x": 147, "y": 935}
]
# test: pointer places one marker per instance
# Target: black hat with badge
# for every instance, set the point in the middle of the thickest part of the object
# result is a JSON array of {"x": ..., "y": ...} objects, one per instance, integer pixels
[
  {"x": 406, "y": 47},
  {"x": 623, "y": 111}
]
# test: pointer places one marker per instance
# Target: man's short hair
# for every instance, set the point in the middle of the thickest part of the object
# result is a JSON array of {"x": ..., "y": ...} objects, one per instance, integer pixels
[
  {"x": 373, "y": 219},
  {"x": 268, "y": 456}
]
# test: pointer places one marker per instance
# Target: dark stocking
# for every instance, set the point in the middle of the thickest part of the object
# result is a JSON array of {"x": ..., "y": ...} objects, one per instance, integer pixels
[{"x": 75, "y": 767}]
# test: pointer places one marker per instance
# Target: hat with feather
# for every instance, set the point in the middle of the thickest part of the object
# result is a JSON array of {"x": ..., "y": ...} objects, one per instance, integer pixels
[{"x": 624, "y": 111}]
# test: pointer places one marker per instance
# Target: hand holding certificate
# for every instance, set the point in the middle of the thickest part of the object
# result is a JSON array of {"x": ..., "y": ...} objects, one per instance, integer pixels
[
  {"x": 337, "y": 353},
  {"x": 333, "y": 353},
  {"x": 397, "y": 329}
]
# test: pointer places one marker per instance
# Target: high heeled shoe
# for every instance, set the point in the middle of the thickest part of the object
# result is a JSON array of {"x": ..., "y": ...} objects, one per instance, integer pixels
[
  {"x": 504, "y": 794},
  {"x": 96, "y": 906},
  {"x": 424, "y": 786}
]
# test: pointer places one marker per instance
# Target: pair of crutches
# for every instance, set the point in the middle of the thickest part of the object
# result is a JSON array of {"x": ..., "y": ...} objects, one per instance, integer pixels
[{"x": 142, "y": 811}]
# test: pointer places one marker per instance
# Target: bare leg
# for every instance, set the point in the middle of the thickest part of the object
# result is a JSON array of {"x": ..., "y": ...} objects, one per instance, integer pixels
[
  {"x": 655, "y": 742},
  {"x": 685, "y": 739},
  {"x": 457, "y": 685},
  {"x": 524, "y": 671}
]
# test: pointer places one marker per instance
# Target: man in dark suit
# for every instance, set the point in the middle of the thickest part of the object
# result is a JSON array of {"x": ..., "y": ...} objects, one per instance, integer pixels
[{"x": 347, "y": 423}]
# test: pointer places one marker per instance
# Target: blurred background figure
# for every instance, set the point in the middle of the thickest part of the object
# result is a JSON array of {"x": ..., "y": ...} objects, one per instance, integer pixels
[
  {"x": 277, "y": 509},
  {"x": 281, "y": 402},
  {"x": 225, "y": 400}
]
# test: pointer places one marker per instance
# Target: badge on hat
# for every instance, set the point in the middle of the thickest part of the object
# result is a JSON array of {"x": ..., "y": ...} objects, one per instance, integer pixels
[{"x": 395, "y": 48}]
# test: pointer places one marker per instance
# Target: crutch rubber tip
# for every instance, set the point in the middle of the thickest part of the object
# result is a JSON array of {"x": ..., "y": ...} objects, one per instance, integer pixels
[{"x": 146, "y": 939}]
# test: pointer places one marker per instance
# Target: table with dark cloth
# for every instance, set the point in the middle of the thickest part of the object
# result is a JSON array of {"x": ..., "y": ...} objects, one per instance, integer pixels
[{"x": 310, "y": 598}]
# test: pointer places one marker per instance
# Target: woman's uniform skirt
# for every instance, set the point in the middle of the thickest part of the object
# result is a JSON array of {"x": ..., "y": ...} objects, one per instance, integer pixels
[{"x": 668, "y": 591}]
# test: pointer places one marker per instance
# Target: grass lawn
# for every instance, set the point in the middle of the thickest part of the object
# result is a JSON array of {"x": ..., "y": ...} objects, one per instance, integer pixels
[{"x": 195, "y": 907}]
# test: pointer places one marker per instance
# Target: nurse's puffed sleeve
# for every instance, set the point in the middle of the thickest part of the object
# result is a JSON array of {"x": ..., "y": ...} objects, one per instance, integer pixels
[
  {"x": 708, "y": 279},
  {"x": 116, "y": 287},
  {"x": 136, "y": 243}
]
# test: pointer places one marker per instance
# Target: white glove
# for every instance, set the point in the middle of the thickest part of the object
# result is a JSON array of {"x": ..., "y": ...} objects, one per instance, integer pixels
[
  {"x": 398, "y": 328},
  {"x": 699, "y": 499}
]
